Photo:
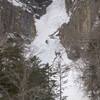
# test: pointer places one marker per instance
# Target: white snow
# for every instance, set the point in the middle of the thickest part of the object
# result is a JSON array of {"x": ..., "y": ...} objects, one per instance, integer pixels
[
  {"x": 45, "y": 47},
  {"x": 74, "y": 90}
]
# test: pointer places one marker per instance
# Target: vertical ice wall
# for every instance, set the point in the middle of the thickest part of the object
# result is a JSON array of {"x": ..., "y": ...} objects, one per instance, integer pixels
[{"x": 45, "y": 46}]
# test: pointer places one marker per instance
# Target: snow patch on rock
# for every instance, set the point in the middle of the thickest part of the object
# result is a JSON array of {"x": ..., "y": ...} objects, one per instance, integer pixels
[{"x": 16, "y": 3}]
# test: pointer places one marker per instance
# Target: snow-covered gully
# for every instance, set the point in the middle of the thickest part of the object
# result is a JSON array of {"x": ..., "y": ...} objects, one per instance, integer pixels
[{"x": 46, "y": 46}]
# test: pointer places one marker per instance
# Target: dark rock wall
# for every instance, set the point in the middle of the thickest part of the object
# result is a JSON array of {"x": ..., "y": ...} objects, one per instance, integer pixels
[
  {"x": 15, "y": 20},
  {"x": 78, "y": 32}
]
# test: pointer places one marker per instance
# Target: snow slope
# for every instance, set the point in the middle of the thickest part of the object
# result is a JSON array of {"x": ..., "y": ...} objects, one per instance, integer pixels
[
  {"x": 74, "y": 90},
  {"x": 46, "y": 43}
]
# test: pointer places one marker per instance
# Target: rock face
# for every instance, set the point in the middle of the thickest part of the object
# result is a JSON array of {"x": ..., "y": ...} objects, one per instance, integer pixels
[
  {"x": 14, "y": 19},
  {"x": 17, "y": 17},
  {"x": 83, "y": 24}
]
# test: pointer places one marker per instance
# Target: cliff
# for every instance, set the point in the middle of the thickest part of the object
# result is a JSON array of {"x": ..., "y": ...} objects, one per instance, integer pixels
[
  {"x": 82, "y": 27},
  {"x": 17, "y": 17}
]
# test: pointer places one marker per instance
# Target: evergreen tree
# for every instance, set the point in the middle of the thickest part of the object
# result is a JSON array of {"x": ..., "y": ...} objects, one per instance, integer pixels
[
  {"x": 22, "y": 79},
  {"x": 10, "y": 59}
]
